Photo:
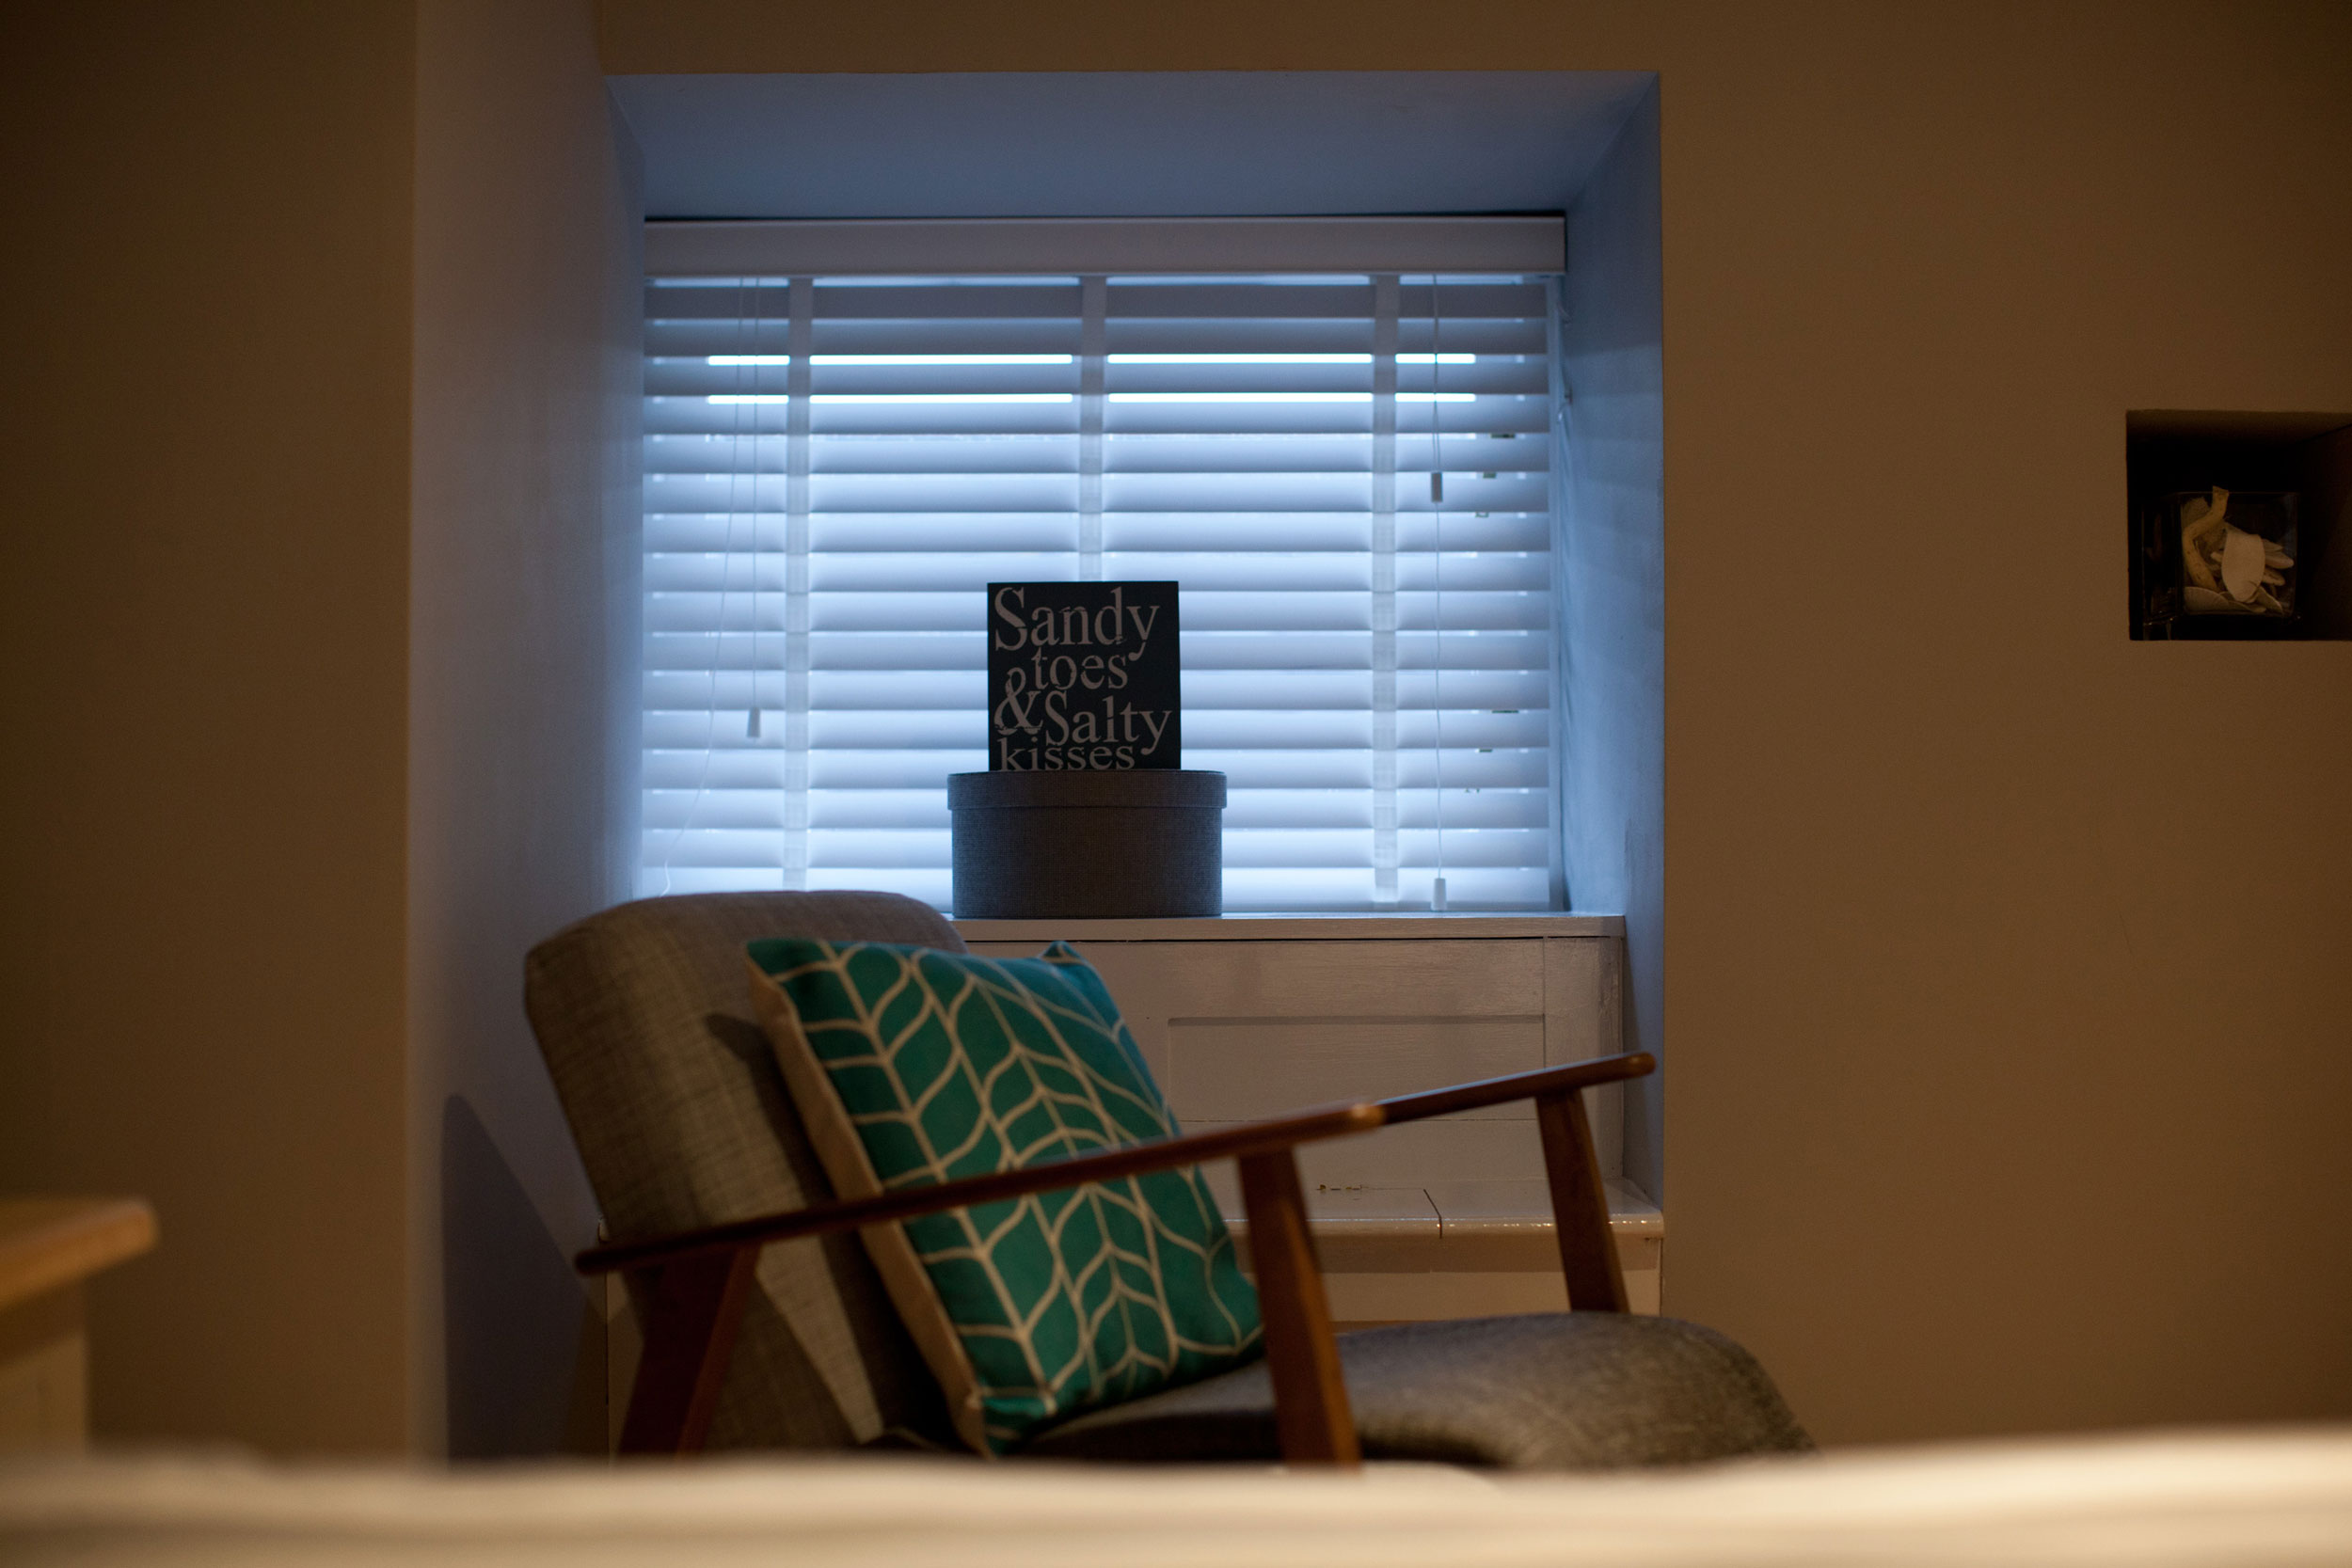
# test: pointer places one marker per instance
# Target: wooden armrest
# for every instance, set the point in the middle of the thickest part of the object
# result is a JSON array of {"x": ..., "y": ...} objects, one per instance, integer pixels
[
  {"x": 1537, "y": 1084},
  {"x": 1260, "y": 1137}
]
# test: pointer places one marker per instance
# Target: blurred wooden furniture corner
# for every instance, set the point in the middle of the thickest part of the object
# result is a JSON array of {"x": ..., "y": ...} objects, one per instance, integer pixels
[{"x": 48, "y": 1248}]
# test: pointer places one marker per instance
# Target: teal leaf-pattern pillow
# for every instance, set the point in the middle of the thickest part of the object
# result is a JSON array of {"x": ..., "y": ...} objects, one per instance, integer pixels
[{"x": 913, "y": 1066}]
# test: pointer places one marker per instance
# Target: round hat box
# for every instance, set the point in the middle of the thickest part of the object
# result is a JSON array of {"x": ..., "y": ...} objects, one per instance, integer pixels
[{"x": 1088, "y": 846}]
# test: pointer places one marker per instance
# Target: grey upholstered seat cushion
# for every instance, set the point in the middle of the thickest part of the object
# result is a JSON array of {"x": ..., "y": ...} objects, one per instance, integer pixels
[
  {"x": 1549, "y": 1391},
  {"x": 644, "y": 1016}
]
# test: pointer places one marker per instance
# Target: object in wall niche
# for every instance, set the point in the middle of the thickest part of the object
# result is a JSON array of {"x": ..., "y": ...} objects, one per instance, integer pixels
[
  {"x": 2240, "y": 525},
  {"x": 1086, "y": 844},
  {"x": 2236, "y": 552}
]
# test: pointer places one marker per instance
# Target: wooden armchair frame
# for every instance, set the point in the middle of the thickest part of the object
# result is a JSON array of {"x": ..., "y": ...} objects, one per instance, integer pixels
[{"x": 697, "y": 1281}]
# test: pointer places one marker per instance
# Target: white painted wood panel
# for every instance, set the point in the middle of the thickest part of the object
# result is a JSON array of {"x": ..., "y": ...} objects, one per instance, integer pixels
[
  {"x": 1578, "y": 1000},
  {"x": 1492, "y": 1251},
  {"x": 1362, "y": 1300},
  {"x": 1242, "y": 1069},
  {"x": 1236, "y": 1026},
  {"x": 1419, "y": 1153},
  {"x": 1464, "y": 1205},
  {"x": 1355, "y": 1228},
  {"x": 1582, "y": 1019},
  {"x": 1350, "y": 979}
]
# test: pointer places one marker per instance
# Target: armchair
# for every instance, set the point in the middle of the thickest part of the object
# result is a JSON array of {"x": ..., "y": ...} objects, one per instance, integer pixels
[{"x": 764, "y": 1327}]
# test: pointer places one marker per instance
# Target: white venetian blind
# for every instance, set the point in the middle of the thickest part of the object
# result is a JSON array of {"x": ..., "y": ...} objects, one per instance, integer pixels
[{"x": 836, "y": 465}]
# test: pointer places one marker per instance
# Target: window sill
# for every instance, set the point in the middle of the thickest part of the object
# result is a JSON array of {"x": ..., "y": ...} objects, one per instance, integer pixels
[{"x": 1400, "y": 927}]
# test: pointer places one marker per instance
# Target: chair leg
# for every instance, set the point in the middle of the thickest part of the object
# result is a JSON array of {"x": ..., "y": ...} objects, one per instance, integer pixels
[
  {"x": 1311, "y": 1411},
  {"x": 1580, "y": 1206},
  {"x": 697, "y": 1304}
]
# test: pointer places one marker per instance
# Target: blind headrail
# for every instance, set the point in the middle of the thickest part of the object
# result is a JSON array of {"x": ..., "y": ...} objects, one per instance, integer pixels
[{"x": 1527, "y": 243}]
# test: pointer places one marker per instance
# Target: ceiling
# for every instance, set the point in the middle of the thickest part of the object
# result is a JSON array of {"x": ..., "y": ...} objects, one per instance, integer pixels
[{"x": 1122, "y": 144}]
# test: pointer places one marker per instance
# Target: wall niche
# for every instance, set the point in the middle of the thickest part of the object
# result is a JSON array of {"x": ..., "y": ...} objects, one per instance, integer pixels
[{"x": 2239, "y": 528}]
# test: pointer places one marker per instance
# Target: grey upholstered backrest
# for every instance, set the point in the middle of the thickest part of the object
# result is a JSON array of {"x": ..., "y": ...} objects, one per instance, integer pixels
[{"x": 644, "y": 1015}]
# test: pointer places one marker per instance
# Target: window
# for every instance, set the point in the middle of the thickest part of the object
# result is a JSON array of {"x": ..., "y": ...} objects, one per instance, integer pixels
[{"x": 1349, "y": 474}]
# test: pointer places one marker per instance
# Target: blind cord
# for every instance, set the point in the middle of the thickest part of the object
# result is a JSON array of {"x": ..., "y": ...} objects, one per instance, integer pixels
[
  {"x": 1436, "y": 581},
  {"x": 750, "y": 724}
]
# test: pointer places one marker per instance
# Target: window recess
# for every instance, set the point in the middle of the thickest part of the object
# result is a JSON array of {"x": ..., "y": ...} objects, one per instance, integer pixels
[{"x": 1347, "y": 471}]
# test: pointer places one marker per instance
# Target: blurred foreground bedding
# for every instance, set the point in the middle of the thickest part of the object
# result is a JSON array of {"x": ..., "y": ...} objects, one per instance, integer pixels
[{"x": 2260, "y": 1497}]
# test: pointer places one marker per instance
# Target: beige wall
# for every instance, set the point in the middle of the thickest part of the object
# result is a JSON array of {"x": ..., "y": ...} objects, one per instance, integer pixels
[
  {"x": 524, "y": 554},
  {"x": 2004, "y": 994},
  {"x": 285, "y": 828},
  {"x": 2011, "y": 1085},
  {"x": 203, "y": 663}
]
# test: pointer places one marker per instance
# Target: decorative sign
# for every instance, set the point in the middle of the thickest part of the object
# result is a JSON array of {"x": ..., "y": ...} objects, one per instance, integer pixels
[{"x": 1083, "y": 676}]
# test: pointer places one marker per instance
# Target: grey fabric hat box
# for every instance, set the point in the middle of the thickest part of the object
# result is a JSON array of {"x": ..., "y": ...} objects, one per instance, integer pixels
[{"x": 1120, "y": 845}]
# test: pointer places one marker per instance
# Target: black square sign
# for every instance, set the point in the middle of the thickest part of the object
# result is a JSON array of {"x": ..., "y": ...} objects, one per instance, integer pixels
[{"x": 1083, "y": 676}]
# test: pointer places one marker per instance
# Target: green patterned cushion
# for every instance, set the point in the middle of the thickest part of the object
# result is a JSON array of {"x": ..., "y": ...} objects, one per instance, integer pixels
[{"x": 912, "y": 1067}]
